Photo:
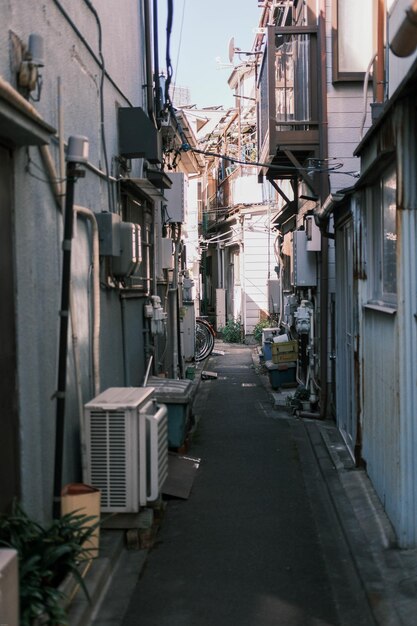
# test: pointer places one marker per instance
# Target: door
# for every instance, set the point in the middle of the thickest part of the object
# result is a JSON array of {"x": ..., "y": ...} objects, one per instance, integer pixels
[
  {"x": 345, "y": 337},
  {"x": 9, "y": 426}
]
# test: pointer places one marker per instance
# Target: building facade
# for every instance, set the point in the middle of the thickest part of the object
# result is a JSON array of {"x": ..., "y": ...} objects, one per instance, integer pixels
[{"x": 86, "y": 72}]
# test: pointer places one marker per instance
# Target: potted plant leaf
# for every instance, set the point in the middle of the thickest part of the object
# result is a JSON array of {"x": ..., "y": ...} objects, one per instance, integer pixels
[
  {"x": 47, "y": 556},
  {"x": 302, "y": 395}
]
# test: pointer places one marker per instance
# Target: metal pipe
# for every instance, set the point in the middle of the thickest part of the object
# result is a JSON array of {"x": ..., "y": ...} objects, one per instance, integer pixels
[
  {"x": 78, "y": 381},
  {"x": 148, "y": 62},
  {"x": 63, "y": 336},
  {"x": 379, "y": 91},
  {"x": 324, "y": 192},
  {"x": 90, "y": 216},
  {"x": 126, "y": 375},
  {"x": 158, "y": 98},
  {"x": 148, "y": 369},
  {"x": 61, "y": 140},
  {"x": 56, "y": 185}
]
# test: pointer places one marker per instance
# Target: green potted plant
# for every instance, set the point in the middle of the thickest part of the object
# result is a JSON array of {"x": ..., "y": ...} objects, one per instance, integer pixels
[
  {"x": 47, "y": 556},
  {"x": 302, "y": 394}
]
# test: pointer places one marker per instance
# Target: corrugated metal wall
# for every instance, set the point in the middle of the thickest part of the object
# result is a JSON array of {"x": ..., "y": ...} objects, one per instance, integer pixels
[
  {"x": 406, "y": 131},
  {"x": 381, "y": 427}
]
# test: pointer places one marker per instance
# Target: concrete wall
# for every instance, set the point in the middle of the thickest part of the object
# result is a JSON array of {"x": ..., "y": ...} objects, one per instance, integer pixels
[{"x": 38, "y": 223}]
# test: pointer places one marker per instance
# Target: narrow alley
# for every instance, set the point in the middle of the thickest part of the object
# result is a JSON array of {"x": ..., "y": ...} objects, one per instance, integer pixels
[{"x": 245, "y": 548}]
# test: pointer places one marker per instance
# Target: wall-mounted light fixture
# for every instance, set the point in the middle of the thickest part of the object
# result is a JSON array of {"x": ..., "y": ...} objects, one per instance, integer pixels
[
  {"x": 404, "y": 41},
  {"x": 29, "y": 77}
]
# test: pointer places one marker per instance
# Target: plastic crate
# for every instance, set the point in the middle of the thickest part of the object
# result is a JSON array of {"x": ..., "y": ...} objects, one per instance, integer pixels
[
  {"x": 177, "y": 396},
  {"x": 281, "y": 375},
  {"x": 284, "y": 351}
]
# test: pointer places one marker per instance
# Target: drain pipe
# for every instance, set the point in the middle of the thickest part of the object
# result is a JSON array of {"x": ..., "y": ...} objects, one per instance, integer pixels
[
  {"x": 90, "y": 216},
  {"x": 148, "y": 62},
  {"x": 77, "y": 148},
  {"x": 324, "y": 192}
]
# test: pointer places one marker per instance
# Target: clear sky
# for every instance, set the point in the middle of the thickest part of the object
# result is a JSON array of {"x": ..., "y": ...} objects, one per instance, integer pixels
[{"x": 201, "y": 33}]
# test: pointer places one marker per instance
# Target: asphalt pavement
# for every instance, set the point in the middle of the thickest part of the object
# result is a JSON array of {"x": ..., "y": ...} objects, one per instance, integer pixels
[
  {"x": 280, "y": 527},
  {"x": 258, "y": 542}
]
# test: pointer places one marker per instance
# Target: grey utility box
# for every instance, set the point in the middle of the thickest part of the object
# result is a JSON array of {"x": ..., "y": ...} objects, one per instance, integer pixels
[
  {"x": 138, "y": 137},
  {"x": 177, "y": 395}
]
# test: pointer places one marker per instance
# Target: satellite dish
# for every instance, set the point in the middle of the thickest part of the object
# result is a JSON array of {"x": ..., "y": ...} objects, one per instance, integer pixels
[{"x": 231, "y": 49}]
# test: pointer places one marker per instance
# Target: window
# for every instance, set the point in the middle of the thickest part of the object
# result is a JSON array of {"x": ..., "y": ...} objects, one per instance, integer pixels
[
  {"x": 389, "y": 235},
  {"x": 383, "y": 239},
  {"x": 352, "y": 34}
]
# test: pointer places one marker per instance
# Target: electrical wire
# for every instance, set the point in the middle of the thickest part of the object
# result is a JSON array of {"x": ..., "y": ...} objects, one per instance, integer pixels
[
  {"x": 179, "y": 46},
  {"x": 30, "y": 162},
  {"x": 270, "y": 166},
  {"x": 185, "y": 147},
  {"x": 101, "y": 95},
  {"x": 169, "y": 69},
  {"x": 89, "y": 48}
]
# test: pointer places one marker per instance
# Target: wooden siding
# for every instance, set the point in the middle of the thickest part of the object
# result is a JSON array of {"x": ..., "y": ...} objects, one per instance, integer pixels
[
  {"x": 345, "y": 109},
  {"x": 256, "y": 269}
]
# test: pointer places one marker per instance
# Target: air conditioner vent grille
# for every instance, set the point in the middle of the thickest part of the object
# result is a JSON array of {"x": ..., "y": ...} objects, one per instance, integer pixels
[
  {"x": 108, "y": 458},
  {"x": 127, "y": 447}
]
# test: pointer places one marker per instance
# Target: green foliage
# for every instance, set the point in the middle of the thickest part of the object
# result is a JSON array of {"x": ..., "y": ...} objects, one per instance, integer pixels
[
  {"x": 46, "y": 557},
  {"x": 269, "y": 322},
  {"x": 301, "y": 394},
  {"x": 232, "y": 332}
]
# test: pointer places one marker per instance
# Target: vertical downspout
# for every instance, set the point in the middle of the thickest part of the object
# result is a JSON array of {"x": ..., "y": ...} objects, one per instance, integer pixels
[
  {"x": 379, "y": 73},
  {"x": 63, "y": 337},
  {"x": 324, "y": 192},
  {"x": 148, "y": 62},
  {"x": 158, "y": 99}
]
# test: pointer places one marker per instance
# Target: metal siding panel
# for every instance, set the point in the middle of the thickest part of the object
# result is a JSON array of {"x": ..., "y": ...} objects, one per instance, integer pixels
[
  {"x": 406, "y": 130},
  {"x": 381, "y": 410}
]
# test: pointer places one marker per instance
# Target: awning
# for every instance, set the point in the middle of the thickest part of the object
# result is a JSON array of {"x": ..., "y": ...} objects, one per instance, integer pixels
[{"x": 20, "y": 123}]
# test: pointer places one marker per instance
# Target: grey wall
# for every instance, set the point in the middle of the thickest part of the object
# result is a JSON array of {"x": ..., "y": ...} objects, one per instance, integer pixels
[{"x": 38, "y": 223}]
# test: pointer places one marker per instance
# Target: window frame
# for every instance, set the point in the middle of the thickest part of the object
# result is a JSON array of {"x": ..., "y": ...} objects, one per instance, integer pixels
[
  {"x": 337, "y": 75},
  {"x": 376, "y": 225}
]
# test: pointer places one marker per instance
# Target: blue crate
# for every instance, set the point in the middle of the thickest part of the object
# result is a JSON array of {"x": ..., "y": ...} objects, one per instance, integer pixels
[
  {"x": 177, "y": 396},
  {"x": 281, "y": 374}
]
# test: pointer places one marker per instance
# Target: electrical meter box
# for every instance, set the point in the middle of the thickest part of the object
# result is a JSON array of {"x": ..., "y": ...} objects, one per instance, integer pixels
[
  {"x": 176, "y": 199},
  {"x": 108, "y": 233},
  {"x": 128, "y": 260},
  {"x": 313, "y": 234},
  {"x": 304, "y": 262}
]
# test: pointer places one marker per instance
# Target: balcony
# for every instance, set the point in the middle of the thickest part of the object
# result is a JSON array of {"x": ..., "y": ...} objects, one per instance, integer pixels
[
  {"x": 238, "y": 188},
  {"x": 288, "y": 100}
]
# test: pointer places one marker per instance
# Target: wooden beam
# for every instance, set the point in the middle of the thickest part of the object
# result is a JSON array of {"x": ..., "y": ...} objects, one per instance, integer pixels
[
  {"x": 301, "y": 171},
  {"x": 279, "y": 190}
]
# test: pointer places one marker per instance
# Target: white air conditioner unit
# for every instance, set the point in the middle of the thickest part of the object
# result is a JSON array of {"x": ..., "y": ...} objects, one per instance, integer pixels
[
  {"x": 9, "y": 587},
  {"x": 127, "y": 447}
]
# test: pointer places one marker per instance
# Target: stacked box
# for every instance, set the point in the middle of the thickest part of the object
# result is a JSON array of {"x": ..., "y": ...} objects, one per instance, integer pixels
[
  {"x": 282, "y": 374},
  {"x": 177, "y": 395},
  {"x": 284, "y": 351}
]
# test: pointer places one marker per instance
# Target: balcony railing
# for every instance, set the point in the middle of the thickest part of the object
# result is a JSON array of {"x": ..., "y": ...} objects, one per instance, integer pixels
[{"x": 288, "y": 95}]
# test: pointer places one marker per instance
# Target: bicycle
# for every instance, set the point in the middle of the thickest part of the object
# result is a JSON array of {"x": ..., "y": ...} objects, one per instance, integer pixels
[{"x": 204, "y": 339}]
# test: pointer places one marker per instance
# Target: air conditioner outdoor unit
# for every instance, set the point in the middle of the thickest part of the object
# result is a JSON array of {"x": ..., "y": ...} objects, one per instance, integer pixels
[{"x": 127, "y": 447}]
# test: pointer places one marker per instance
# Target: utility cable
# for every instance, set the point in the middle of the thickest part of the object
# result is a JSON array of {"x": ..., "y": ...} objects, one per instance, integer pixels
[
  {"x": 89, "y": 48},
  {"x": 170, "y": 16},
  {"x": 103, "y": 74},
  {"x": 179, "y": 46}
]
